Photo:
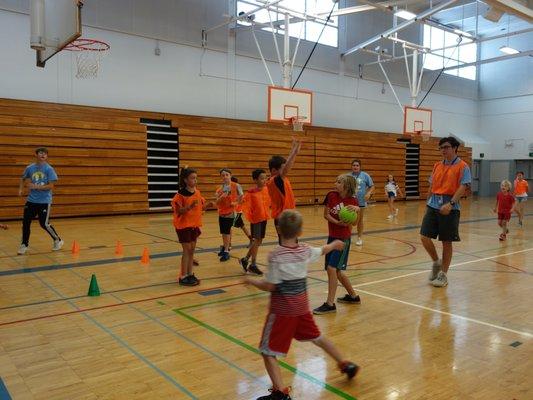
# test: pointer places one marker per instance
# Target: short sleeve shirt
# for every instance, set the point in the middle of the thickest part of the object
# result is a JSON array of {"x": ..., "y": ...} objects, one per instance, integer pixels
[
  {"x": 40, "y": 174},
  {"x": 364, "y": 181},
  {"x": 436, "y": 201},
  {"x": 505, "y": 202},
  {"x": 334, "y": 202},
  {"x": 287, "y": 269}
]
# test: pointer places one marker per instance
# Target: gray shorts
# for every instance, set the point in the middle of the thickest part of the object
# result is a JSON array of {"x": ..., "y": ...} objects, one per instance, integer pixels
[{"x": 445, "y": 227}]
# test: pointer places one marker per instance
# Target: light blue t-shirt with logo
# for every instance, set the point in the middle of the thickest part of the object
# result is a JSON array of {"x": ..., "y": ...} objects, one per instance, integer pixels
[
  {"x": 364, "y": 181},
  {"x": 40, "y": 174}
]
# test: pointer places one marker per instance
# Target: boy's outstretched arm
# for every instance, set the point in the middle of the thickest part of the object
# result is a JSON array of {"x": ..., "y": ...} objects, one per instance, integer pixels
[
  {"x": 260, "y": 284},
  {"x": 296, "y": 146}
]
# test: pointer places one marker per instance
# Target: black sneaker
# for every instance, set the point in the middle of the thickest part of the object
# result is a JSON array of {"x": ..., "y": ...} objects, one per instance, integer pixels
[
  {"x": 325, "y": 308},
  {"x": 244, "y": 263},
  {"x": 349, "y": 368},
  {"x": 275, "y": 395},
  {"x": 224, "y": 256},
  {"x": 349, "y": 299},
  {"x": 254, "y": 270},
  {"x": 194, "y": 280},
  {"x": 186, "y": 281},
  {"x": 221, "y": 251}
]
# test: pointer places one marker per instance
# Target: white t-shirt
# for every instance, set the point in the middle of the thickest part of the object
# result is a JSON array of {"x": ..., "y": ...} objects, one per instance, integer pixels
[{"x": 391, "y": 187}]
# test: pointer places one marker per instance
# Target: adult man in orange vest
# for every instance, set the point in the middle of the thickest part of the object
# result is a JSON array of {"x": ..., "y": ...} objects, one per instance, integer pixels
[{"x": 448, "y": 182}]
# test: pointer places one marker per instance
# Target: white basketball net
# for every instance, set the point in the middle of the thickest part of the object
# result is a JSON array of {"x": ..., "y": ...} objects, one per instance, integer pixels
[
  {"x": 88, "y": 63},
  {"x": 89, "y": 53}
]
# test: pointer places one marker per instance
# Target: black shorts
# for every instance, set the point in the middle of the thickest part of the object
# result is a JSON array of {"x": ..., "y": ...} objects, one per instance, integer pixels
[
  {"x": 237, "y": 221},
  {"x": 187, "y": 235},
  {"x": 391, "y": 194},
  {"x": 445, "y": 227},
  {"x": 258, "y": 230},
  {"x": 225, "y": 224}
]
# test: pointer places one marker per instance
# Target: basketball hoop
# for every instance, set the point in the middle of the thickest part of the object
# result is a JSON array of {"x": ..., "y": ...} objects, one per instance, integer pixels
[
  {"x": 297, "y": 123},
  {"x": 90, "y": 53},
  {"x": 424, "y": 134}
]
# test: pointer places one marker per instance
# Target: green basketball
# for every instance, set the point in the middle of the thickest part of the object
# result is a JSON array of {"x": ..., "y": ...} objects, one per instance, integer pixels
[{"x": 347, "y": 216}]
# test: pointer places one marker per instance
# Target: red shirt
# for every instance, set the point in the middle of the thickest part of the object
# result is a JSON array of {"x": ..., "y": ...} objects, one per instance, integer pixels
[
  {"x": 334, "y": 202},
  {"x": 505, "y": 202}
]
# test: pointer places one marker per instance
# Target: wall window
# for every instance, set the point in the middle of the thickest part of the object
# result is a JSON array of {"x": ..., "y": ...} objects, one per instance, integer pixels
[
  {"x": 435, "y": 38},
  {"x": 307, "y": 30}
]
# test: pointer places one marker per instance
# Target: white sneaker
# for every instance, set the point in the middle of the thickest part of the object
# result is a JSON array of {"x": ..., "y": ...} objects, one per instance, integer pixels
[
  {"x": 395, "y": 212},
  {"x": 22, "y": 249},
  {"x": 58, "y": 244},
  {"x": 435, "y": 269},
  {"x": 441, "y": 281},
  {"x": 359, "y": 242},
  {"x": 390, "y": 216}
]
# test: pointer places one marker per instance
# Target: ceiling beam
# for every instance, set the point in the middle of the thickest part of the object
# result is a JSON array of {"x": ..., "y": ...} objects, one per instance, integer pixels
[
  {"x": 513, "y": 7},
  {"x": 490, "y": 60},
  {"x": 399, "y": 27}
]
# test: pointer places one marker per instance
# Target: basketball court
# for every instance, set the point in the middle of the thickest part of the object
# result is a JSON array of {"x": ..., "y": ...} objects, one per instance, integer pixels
[{"x": 124, "y": 95}]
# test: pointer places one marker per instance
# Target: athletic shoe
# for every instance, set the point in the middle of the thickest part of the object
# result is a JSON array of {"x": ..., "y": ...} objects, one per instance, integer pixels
[
  {"x": 349, "y": 299},
  {"x": 325, "y": 309},
  {"x": 390, "y": 216},
  {"x": 435, "y": 269},
  {"x": 189, "y": 280},
  {"x": 224, "y": 256},
  {"x": 194, "y": 280},
  {"x": 276, "y": 395},
  {"x": 221, "y": 251},
  {"x": 254, "y": 270},
  {"x": 395, "y": 212},
  {"x": 359, "y": 242},
  {"x": 244, "y": 263},
  {"x": 349, "y": 368},
  {"x": 22, "y": 249},
  {"x": 57, "y": 245},
  {"x": 441, "y": 281}
]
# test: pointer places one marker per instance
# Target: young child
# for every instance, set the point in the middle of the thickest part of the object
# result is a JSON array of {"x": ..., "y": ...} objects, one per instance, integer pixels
[
  {"x": 238, "y": 221},
  {"x": 289, "y": 316},
  {"x": 279, "y": 187},
  {"x": 392, "y": 190},
  {"x": 336, "y": 261},
  {"x": 228, "y": 195},
  {"x": 256, "y": 205},
  {"x": 188, "y": 206},
  {"x": 40, "y": 178},
  {"x": 520, "y": 191},
  {"x": 504, "y": 207}
]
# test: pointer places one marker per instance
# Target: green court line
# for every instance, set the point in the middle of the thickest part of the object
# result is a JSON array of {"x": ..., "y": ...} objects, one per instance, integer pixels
[{"x": 252, "y": 349}]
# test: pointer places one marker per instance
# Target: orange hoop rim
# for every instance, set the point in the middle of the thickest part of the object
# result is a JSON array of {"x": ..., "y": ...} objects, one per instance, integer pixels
[{"x": 87, "y": 45}]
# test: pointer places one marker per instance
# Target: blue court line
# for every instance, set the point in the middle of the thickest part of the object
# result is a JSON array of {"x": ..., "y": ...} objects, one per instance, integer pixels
[
  {"x": 4, "y": 394},
  {"x": 178, "y": 253}
]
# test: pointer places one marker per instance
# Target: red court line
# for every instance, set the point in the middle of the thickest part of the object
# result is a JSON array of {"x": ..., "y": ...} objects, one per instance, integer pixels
[{"x": 116, "y": 304}]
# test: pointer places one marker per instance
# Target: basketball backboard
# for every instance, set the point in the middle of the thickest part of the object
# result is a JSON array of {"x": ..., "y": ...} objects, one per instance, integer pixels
[
  {"x": 416, "y": 121},
  {"x": 54, "y": 24},
  {"x": 285, "y": 104}
]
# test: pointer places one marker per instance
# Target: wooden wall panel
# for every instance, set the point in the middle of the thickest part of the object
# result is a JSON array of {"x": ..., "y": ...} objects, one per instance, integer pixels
[{"x": 100, "y": 155}]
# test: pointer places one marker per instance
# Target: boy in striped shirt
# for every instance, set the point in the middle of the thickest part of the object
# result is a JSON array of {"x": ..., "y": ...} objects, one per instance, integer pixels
[{"x": 289, "y": 314}]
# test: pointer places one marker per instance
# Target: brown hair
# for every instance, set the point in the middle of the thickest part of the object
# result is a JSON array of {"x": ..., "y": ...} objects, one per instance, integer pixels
[{"x": 290, "y": 224}]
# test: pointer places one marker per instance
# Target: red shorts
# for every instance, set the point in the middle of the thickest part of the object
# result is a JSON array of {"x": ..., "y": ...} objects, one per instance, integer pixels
[
  {"x": 279, "y": 330},
  {"x": 504, "y": 216},
  {"x": 187, "y": 235}
]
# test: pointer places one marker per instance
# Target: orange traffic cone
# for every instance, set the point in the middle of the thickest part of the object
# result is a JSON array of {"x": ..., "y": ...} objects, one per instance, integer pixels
[
  {"x": 75, "y": 248},
  {"x": 119, "y": 250},
  {"x": 145, "y": 258}
]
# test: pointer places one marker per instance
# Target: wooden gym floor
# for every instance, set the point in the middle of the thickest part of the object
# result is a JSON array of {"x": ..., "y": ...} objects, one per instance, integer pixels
[{"x": 146, "y": 337}]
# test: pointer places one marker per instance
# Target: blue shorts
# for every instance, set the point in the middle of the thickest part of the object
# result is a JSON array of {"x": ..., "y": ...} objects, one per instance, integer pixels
[
  {"x": 520, "y": 199},
  {"x": 391, "y": 194},
  {"x": 338, "y": 258}
]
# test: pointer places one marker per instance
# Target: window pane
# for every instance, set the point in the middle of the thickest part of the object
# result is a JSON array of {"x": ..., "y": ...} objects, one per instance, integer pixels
[
  {"x": 296, "y": 5},
  {"x": 468, "y": 73},
  {"x": 468, "y": 53},
  {"x": 330, "y": 36},
  {"x": 312, "y": 31},
  {"x": 433, "y": 62}
]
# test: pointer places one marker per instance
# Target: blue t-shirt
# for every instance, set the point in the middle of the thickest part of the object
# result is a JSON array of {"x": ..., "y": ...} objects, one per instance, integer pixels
[
  {"x": 364, "y": 181},
  {"x": 436, "y": 200},
  {"x": 40, "y": 175}
]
